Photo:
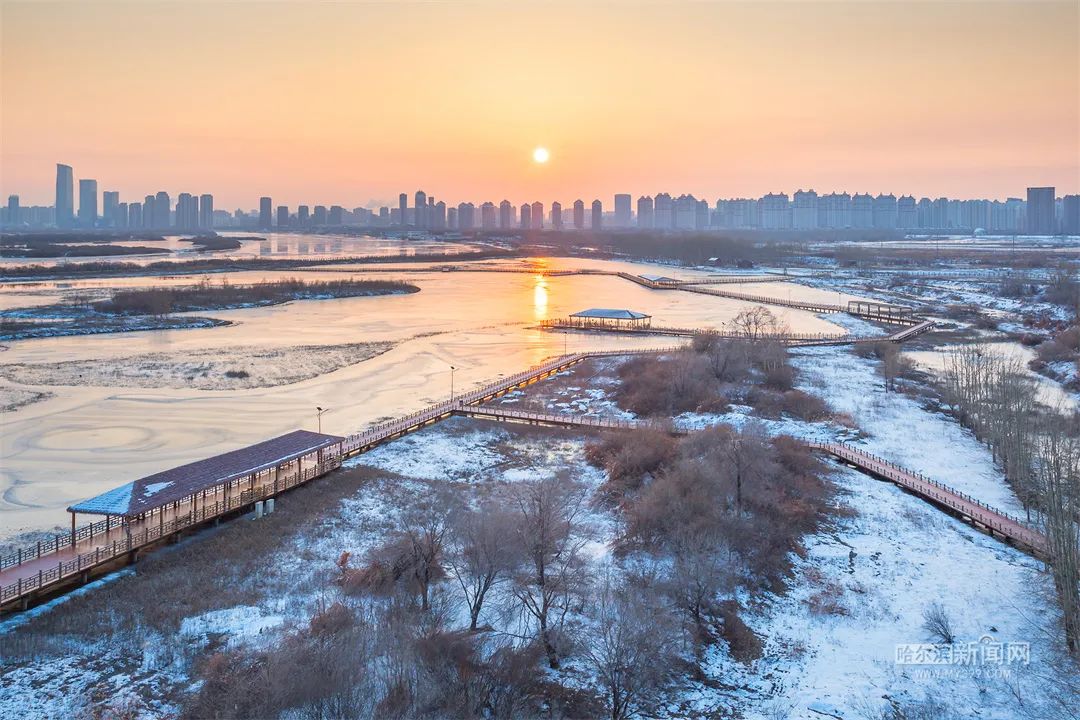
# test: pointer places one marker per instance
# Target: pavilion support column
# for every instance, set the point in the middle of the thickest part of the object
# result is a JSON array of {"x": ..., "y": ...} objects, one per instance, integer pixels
[{"x": 72, "y": 529}]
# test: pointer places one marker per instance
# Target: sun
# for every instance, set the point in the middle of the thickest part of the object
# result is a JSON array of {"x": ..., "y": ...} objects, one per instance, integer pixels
[{"x": 541, "y": 155}]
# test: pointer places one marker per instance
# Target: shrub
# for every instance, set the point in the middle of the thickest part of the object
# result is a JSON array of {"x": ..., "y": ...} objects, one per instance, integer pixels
[
  {"x": 237, "y": 374},
  {"x": 630, "y": 458},
  {"x": 743, "y": 643}
]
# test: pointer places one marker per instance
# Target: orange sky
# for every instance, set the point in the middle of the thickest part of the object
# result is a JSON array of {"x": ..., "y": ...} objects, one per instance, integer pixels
[{"x": 347, "y": 103}]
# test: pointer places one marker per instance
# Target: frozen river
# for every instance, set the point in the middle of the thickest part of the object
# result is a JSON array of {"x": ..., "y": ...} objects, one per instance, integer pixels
[{"x": 86, "y": 439}]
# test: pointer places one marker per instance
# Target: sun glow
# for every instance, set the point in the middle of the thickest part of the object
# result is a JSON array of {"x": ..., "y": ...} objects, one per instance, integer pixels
[{"x": 541, "y": 155}]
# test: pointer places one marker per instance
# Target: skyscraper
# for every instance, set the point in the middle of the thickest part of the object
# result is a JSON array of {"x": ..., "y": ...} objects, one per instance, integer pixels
[
  {"x": 265, "y": 205},
  {"x": 438, "y": 221},
  {"x": 537, "y": 215},
  {"x": 663, "y": 212},
  {"x": 645, "y": 212},
  {"x": 465, "y": 218},
  {"x": 487, "y": 216},
  {"x": 319, "y": 216},
  {"x": 110, "y": 205},
  {"x": 906, "y": 213},
  {"x": 506, "y": 215},
  {"x": 622, "y": 210},
  {"x": 1070, "y": 221},
  {"x": 886, "y": 212},
  {"x": 206, "y": 211},
  {"x": 135, "y": 215},
  {"x": 282, "y": 216},
  {"x": 421, "y": 209},
  {"x": 804, "y": 210},
  {"x": 526, "y": 216},
  {"x": 65, "y": 196},
  {"x": 185, "y": 212},
  {"x": 337, "y": 215},
  {"x": 579, "y": 214},
  {"x": 403, "y": 209},
  {"x": 1040, "y": 211},
  {"x": 556, "y": 215},
  {"x": 303, "y": 215},
  {"x": 862, "y": 210},
  {"x": 597, "y": 215},
  {"x": 88, "y": 208},
  {"x": 13, "y": 210}
]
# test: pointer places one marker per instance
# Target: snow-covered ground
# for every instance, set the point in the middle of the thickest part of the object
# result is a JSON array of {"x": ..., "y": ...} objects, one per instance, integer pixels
[{"x": 250, "y": 367}]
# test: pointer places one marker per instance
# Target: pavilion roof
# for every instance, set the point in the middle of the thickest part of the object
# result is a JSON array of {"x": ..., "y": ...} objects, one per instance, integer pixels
[
  {"x": 611, "y": 314},
  {"x": 184, "y": 481}
]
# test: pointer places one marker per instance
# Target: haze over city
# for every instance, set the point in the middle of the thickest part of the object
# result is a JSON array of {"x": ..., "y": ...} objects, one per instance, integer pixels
[
  {"x": 500, "y": 360},
  {"x": 324, "y": 103}
]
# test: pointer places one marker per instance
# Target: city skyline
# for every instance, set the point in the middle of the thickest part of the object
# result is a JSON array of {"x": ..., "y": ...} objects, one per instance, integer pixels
[{"x": 831, "y": 97}]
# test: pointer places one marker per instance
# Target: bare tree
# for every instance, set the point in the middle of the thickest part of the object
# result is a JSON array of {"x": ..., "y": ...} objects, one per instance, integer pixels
[
  {"x": 550, "y": 536},
  {"x": 480, "y": 553},
  {"x": 938, "y": 624},
  {"x": 424, "y": 534},
  {"x": 631, "y": 645},
  {"x": 757, "y": 323}
]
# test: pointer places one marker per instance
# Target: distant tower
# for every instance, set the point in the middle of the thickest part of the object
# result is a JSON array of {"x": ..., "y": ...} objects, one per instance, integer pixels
[
  {"x": 421, "y": 209},
  {"x": 206, "y": 211},
  {"x": 645, "y": 212},
  {"x": 88, "y": 209},
  {"x": 403, "y": 208},
  {"x": 622, "y": 210},
  {"x": 319, "y": 217},
  {"x": 597, "y": 215},
  {"x": 282, "y": 216},
  {"x": 579, "y": 215},
  {"x": 556, "y": 215},
  {"x": 537, "y": 213},
  {"x": 110, "y": 205},
  {"x": 506, "y": 215},
  {"x": 265, "y": 205},
  {"x": 65, "y": 196},
  {"x": 526, "y": 216},
  {"x": 1040, "y": 210},
  {"x": 13, "y": 209},
  {"x": 135, "y": 215},
  {"x": 487, "y": 216},
  {"x": 303, "y": 215}
]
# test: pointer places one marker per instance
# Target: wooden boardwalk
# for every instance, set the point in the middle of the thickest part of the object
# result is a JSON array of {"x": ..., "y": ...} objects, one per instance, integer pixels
[{"x": 995, "y": 522}]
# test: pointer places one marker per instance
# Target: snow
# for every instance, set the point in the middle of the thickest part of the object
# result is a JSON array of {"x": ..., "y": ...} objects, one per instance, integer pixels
[
  {"x": 114, "y": 502},
  {"x": 154, "y": 488},
  {"x": 242, "y": 624},
  {"x": 897, "y": 428}
]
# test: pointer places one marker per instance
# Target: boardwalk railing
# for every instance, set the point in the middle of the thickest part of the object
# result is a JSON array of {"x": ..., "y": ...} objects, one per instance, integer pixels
[
  {"x": 551, "y": 418},
  {"x": 153, "y": 533},
  {"x": 997, "y": 520}
]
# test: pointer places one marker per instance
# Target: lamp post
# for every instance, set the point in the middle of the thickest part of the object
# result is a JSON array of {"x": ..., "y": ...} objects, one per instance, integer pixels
[
  {"x": 564, "y": 342},
  {"x": 318, "y": 415},
  {"x": 452, "y": 369}
]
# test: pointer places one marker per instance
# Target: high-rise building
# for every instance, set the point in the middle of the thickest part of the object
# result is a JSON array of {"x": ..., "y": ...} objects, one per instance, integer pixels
[
  {"x": 319, "y": 216},
  {"x": 775, "y": 212},
  {"x": 206, "y": 211},
  {"x": 88, "y": 205},
  {"x": 645, "y": 212},
  {"x": 622, "y": 210},
  {"x": 886, "y": 212},
  {"x": 282, "y": 216},
  {"x": 906, "y": 213},
  {"x": 265, "y": 210},
  {"x": 135, "y": 215},
  {"x": 120, "y": 217},
  {"x": 465, "y": 217},
  {"x": 439, "y": 218},
  {"x": 804, "y": 210},
  {"x": 537, "y": 215},
  {"x": 1040, "y": 211},
  {"x": 487, "y": 216},
  {"x": 303, "y": 215},
  {"x": 13, "y": 210},
  {"x": 663, "y": 212},
  {"x": 579, "y": 215},
  {"x": 556, "y": 215},
  {"x": 451, "y": 218},
  {"x": 526, "y": 216},
  {"x": 1070, "y": 215},
  {"x": 420, "y": 218},
  {"x": 186, "y": 216},
  {"x": 597, "y": 215},
  {"x": 506, "y": 215},
  {"x": 65, "y": 196},
  {"x": 862, "y": 210},
  {"x": 403, "y": 208},
  {"x": 110, "y": 204},
  {"x": 337, "y": 216}
]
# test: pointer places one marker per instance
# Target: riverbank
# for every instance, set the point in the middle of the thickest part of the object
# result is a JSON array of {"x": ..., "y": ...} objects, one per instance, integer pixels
[{"x": 227, "y": 368}]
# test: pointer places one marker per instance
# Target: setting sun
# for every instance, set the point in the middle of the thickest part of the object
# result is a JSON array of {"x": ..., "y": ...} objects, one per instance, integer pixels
[{"x": 541, "y": 155}]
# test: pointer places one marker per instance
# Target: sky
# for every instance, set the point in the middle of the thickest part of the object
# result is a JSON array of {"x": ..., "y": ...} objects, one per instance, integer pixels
[{"x": 350, "y": 103}]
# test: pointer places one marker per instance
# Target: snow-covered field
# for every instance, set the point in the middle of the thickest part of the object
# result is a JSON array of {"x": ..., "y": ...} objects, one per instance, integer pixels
[
  {"x": 209, "y": 369},
  {"x": 830, "y": 642}
]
